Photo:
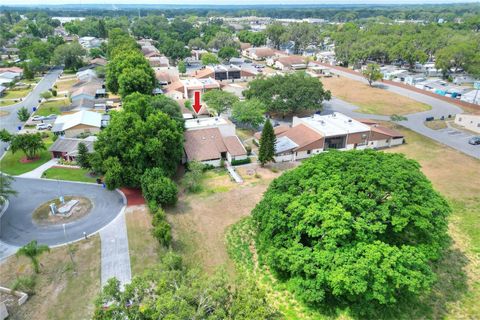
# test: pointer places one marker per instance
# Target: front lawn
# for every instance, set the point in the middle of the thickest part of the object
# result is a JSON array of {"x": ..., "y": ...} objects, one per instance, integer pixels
[
  {"x": 52, "y": 107},
  {"x": 11, "y": 164},
  {"x": 4, "y": 103},
  {"x": 69, "y": 174},
  {"x": 16, "y": 93}
]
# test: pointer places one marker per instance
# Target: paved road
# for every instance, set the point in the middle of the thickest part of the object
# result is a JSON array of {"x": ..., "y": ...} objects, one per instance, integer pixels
[
  {"x": 17, "y": 227},
  {"x": 415, "y": 122},
  {"x": 10, "y": 121}
]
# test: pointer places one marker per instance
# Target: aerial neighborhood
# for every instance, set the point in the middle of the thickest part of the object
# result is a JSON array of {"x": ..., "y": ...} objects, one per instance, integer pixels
[{"x": 296, "y": 161}]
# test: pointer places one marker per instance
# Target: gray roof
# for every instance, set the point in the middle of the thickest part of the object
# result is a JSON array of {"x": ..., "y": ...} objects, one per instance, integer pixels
[
  {"x": 70, "y": 145},
  {"x": 2, "y": 88},
  {"x": 284, "y": 144}
]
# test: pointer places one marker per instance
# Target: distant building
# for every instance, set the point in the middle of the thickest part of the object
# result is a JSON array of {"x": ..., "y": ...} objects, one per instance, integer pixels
[
  {"x": 258, "y": 54},
  {"x": 184, "y": 89},
  {"x": 468, "y": 121},
  {"x": 89, "y": 42},
  {"x": 224, "y": 72},
  {"x": 290, "y": 63}
]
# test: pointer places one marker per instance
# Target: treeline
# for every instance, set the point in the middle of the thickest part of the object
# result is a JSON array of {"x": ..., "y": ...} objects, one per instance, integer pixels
[
  {"x": 338, "y": 13},
  {"x": 451, "y": 48}
]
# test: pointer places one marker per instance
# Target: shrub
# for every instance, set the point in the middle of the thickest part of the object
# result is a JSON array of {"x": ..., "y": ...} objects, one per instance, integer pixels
[
  {"x": 54, "y": 92},
  {"x": 192, "y": 178},
  {"x": 240, "y": 162},
  {"x": 249, "y": 150},
  {"x": 25, "y": 284},
  {"x": 162, "y": 230},
  {"x": 156, "y": 187}
]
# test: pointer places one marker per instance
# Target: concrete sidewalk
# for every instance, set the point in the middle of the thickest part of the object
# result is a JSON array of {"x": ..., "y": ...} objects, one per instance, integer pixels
[
  {"x": 37, "y": 173},
  {"x": 115, "y": 254},
  {"x": 233, "y": 173}
]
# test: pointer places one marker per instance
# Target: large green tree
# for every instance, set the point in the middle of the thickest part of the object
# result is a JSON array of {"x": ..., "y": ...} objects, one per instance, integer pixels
[
  {"x": 138, "y": 138},
  {"x": 372, "y": 73},
  {"x": 275, "y": 33},
  {"x": 70, "y": 55},
  {"x": 158, "y": 188},
  {"x": 289, "y": 93},
  {"x": 358, "y": 227},
  {"x": 29, "y": 143},
  {"x": 219, "y": 101},
  {"x": 135, "y": 80},
  {"x": 249, "y": 112}
]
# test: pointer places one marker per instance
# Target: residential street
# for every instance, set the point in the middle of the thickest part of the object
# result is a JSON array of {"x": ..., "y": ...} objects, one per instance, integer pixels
[
  {"x": 452, "y": 138},
  {"x": 10, "y": 121},
  {"x": 17, "y": 227}
]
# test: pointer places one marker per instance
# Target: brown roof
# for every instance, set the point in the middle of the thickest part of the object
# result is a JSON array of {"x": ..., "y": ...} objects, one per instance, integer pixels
[
  {"x": 204, "y": 73},
  {"x": 165, "y": 76},
  {"x": 69, "y": 145},
  {"x": 387, "y": 131},
  {"x": 204, "y": 144},
  {"x": 262, "y": 52},
  {"x": 288, "y": 61},
  {"x": 99, "y": 61},
  {"x": 11, "y": 69},
  {"x": 277, "y": 131},
  {"x": 366, "y": 121},
  {"x": 234, "y": 146},
  {"x": 306, "y": 138}
]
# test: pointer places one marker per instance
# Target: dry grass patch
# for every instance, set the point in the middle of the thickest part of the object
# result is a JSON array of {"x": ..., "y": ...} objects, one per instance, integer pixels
[
  {"x": 370, "y": 99},
  {"x": 144, "y": 249},
  {"x": 436, "y": 124},
  {"x": 63, "y": 290},
  {"x": 43, "y": 216},
  {"x": 65, "y": 85}
]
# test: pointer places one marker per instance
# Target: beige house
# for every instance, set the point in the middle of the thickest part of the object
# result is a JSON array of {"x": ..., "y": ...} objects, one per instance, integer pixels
[
  {"x": 468, "y": 121},
  {"x": 75, "y": 124},
  {"x": 258, "y": 53}
]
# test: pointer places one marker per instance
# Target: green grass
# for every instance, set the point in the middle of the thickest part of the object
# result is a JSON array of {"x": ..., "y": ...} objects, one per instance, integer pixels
[
  {"x": 4, "y": 103},
  {"x": 16, "y": 93},
  {"x": 11, "y": 164},
  {"x": 51, "y": 107},
  {"x": 69, "y": 174}
]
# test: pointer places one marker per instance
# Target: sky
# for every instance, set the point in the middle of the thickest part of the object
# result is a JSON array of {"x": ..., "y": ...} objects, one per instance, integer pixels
[{"x": 225, "y": 2}]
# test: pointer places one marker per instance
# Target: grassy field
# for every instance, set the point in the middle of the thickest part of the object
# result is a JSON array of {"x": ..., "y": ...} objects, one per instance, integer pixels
[
  {"x": 144, "y": 249},
  {"x": 10, "y": 164},
  {"x": 16, "y": 93},
  {"x": 372, "y": 100},
  {"x": 63, "y": 290},
  {"x": 457, "y": 291},
  {"x": 5, "y": 103},
  {"x": 52, "y": 107},
  {"x": 436, "y": 124},
  {"x": 70, "y": 174}
]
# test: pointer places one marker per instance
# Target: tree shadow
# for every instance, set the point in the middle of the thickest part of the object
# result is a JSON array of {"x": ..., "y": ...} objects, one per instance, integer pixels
[{"x": 379, "y": 86}]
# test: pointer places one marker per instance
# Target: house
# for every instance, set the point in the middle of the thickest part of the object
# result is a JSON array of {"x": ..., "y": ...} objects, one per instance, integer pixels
[
  {"x": 99, "y": 62},
  {"x": 291, "y": 63},
  {"x": 327, "y": 57},
  {"x": 89, "y": 91},
  {"x": 468, "y": 121},
  {"x": 12, "y": 69},
  {"x": 261, "y": 53},
  {"x": 74, "y": 124},
  {"x": 319, "y": 70},
  {"x": 86, "y": 74},
  {"x": 166, "y": 76},
  {"x": 8, "y": 77},
  {"x": 184, "y": 89},
  {"x": 414, "y": 79},
  {"x": 67, "y": 148},
  {"x": 160, "y": 61},
  {"x": 318, "y": 133},
  {"x": 472, "y": 96},
  {"x": 224, "y": 72},
  {"x": 211, "y": 140},
  {"x": 89, "y": 42}
]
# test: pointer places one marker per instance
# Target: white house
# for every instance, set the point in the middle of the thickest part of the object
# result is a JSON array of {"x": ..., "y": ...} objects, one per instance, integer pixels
[
  {"x": 468, "y": 121},
  {"x": 81, "y": 122}
]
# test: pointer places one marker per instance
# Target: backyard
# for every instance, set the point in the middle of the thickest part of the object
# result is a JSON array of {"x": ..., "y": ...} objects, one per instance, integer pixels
[
  {"x": 63, "y": 290},
  {"x": 372, "y": 100}
]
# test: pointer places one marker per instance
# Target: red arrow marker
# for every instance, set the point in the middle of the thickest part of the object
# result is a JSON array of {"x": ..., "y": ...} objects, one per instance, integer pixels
[{"x": 196, "y": 105}]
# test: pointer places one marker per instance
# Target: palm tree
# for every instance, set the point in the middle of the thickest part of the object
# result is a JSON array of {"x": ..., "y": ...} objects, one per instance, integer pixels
[
  {"x": 5, "y": 188},
  {"x": 32, "y": 250}
]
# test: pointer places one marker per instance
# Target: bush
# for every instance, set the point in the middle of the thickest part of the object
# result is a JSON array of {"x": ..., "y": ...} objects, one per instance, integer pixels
[
  {"x": 192, "y": 178},
  {"x": 25, "y": 284},
  {"x": 54, "y": 92},
  {"x": 158, "y": 188},
  {"x": 162, "y": 230},
  {"x": 249, "y": 150},
  {"x": 240, "y": 162}
]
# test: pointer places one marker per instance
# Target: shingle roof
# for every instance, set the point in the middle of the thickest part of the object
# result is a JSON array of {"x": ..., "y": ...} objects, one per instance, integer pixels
[
  {"x": 204, "y": 144},
  {"x": 387, "y": 131},
  {"x": 234, "y": 146},
  {"x": 84, "y": 117},
  {"x": 70, "y": 145},
  {"x": 304, "y": 137}
]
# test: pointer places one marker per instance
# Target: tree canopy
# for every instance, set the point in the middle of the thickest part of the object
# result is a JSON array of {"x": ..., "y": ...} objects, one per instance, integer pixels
[
  {"x": 138, "y": 138},
  {"x": 289, "y": 93},
  {"x": 356, "y": 227},
  {"x": 219, "y": 101},
  {"x": 249, "y": 112},
  {"x": 29, "y": 143}
]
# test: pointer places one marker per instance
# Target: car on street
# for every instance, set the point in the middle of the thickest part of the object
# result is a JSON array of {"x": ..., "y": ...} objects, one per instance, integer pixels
[
  {"x": 52, "y": 116},
  {"x": 44, "y": 126},
  {"x": 474, "y": 140}
]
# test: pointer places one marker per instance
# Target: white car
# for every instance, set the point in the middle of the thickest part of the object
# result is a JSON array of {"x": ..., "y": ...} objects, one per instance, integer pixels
[
  {"x": 38, "y": 118},
  {"x": 44, "y": 126}
]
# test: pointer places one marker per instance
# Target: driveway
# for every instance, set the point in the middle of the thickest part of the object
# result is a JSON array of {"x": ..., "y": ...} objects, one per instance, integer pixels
[
  {"x": 17, "y": 227},
  {"x": 10, "y": 121},
  {"x": 415, "y": 121}
]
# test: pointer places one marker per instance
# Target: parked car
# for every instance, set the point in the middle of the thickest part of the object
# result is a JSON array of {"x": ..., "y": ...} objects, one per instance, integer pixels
[
  {"x": 474, "y": 140},
  {"x": 44, "y": 126},
  {"x": 52, "y": 116},
  {"x": 38, "y": 118}
]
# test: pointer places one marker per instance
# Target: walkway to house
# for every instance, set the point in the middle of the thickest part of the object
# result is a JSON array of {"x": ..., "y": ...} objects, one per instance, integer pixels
[
  {"x": 37, "y": 172},
  {"x": 233, "y": 173},
  {"x": 115, "y": 255}
]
